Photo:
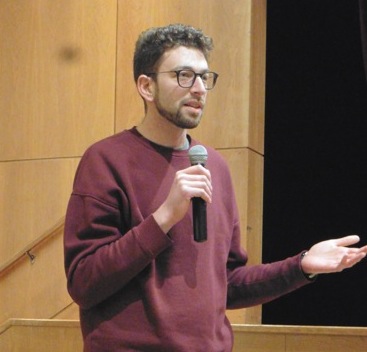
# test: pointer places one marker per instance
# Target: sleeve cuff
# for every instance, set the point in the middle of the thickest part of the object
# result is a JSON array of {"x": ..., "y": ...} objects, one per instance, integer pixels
[{"x": 311, "y": 277}]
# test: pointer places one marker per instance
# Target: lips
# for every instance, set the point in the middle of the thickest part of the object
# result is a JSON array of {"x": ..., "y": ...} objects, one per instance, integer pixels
[{"x": 194, "y": 104}]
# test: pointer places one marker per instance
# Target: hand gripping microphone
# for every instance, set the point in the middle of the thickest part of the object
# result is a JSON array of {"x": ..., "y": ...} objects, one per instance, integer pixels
[{"x": 199, "y": 155}]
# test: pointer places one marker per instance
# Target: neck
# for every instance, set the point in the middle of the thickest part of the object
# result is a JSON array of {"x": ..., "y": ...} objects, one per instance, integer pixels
[{"x": 163, "y": 133}]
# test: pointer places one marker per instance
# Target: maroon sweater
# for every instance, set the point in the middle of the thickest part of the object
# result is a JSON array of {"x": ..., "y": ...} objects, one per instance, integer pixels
[{"x": 140, "y": 289}]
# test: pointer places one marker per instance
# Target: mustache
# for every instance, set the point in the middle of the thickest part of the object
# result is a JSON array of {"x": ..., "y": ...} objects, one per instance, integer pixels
[{"x": 196, "y": 103}]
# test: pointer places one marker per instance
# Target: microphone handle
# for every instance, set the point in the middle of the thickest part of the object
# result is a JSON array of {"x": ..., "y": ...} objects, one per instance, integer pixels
[{"x": 199, "y": 219}]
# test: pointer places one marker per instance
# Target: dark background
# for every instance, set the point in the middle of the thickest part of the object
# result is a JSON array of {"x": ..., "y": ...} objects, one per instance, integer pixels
[{"x": 315, "y": 185}]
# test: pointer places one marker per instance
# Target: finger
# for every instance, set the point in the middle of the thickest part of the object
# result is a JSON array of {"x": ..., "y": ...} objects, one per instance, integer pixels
[
  {"x": 195, "y": 173},
  {"x": 197, "y": 169},
  {"x": 347, "y": 240},
  {"x": 196, "y": 188},
  {"x": 197, "y": 183},
  {"x": 362, "y": 250},
  {"x": 205, "y": 196},
  {"x": 349, "y": 262}
]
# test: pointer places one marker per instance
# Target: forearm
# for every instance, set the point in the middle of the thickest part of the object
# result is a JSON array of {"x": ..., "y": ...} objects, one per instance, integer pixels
[
  {"x": 253, "y": 285},
  {"x": 100, "y": 260}
]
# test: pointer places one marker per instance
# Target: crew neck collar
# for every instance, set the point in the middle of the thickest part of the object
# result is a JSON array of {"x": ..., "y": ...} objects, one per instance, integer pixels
[{"x": 184, "y": 147}]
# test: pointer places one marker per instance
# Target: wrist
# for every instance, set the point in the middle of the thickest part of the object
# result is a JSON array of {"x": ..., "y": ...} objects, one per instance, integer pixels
[
  {"x": 309, "y": 276},
  {"x": 164, "y": 218}
]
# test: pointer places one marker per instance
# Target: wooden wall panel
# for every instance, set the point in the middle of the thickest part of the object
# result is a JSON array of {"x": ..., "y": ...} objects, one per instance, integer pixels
[
  {"x": 49, "y": 335},
  {"x": 57, "y": 76},
  {"x": 42, "y": 336},
  {"x": 283, "y": 338},
  {"x": 236, "y": 26},
  {"x": 34, "y": 196},
  {"x": 70, "y": 312},
  {"x": 299, "y": 343},
  {"x": 65, "y": 84},
  {"x": 256, "y": 77},
  {"x": 257, "y": 342},
  {"x": 247, "y": 174},
  {"x": 57, "y": 96},
  {"x": 38, "y": 289}
]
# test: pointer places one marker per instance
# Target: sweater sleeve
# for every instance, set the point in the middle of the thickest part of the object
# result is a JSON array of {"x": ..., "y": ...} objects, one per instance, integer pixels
[
  {"x": 259, "y": 284},
  {"x": 103, "y": 251},
  {"x": 250, "y": 285}
]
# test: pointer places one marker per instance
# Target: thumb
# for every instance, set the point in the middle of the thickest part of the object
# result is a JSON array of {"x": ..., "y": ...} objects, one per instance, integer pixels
[{"x": 347, "y": 240}]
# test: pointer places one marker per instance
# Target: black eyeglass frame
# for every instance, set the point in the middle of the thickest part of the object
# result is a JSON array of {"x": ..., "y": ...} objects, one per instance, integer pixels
[{"x": 177, "y": 72}]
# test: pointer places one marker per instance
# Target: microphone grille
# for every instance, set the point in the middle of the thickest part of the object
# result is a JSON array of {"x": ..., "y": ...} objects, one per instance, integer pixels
[{"x": 198, "y": 155}]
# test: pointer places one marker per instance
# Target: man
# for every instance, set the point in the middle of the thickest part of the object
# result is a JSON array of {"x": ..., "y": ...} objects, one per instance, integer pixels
[{"x": 141, "y": 281}]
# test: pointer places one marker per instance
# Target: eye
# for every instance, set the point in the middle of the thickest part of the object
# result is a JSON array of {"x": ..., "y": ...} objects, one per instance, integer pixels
[
  {"x": 186, "y": 74},
  {"x": 205, "y": 76}
]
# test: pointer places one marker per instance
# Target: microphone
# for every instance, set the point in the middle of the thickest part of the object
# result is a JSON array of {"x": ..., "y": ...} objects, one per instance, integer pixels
[{"x": 199, "y": 155}]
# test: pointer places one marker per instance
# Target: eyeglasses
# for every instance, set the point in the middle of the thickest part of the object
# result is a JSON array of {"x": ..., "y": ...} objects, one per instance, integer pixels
[{"x": 187, "y": 78}]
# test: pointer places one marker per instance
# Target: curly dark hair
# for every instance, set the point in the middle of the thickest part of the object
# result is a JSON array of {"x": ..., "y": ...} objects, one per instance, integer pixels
[{"x": 153, "y": 43}]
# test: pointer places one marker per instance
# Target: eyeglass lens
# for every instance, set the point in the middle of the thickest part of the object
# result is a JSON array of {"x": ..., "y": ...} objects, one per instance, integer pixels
[{"x": 186, "y": 78}]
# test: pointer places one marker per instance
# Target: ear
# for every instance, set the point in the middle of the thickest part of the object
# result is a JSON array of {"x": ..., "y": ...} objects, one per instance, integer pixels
[{"x": 146, "y": 86}]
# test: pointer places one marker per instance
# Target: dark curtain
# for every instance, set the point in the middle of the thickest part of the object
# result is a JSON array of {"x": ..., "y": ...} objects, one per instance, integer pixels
[
  {"x": 363, "y": 17},
  {"x": 315, "y": 168}
]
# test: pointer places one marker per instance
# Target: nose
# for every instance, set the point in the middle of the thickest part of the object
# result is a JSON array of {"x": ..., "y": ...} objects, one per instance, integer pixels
[{"x": 198, "y": 87}]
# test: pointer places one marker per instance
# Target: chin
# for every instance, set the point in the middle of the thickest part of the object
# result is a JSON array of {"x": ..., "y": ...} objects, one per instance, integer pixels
[{"x": 189, "y": 125}]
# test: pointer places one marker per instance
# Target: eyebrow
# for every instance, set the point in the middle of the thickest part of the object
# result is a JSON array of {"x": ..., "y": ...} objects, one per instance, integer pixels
[{"x": 190, "y": 68}]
